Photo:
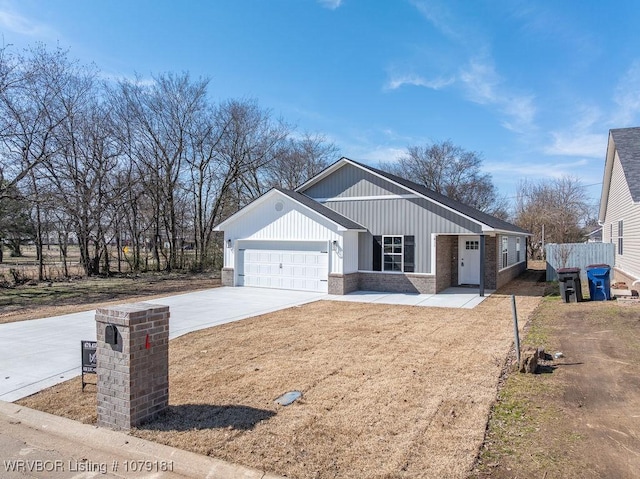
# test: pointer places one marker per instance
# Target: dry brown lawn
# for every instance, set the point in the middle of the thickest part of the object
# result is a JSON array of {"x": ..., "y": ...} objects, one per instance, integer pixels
[{"x": 388, "y": 391}]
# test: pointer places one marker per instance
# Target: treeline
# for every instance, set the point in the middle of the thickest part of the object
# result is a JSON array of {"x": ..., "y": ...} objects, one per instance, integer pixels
[{"x": 150, "y": 165}]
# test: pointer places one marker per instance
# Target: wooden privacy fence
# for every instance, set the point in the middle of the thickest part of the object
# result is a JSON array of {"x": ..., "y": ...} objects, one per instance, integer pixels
[{"x": 577, "y": 255}]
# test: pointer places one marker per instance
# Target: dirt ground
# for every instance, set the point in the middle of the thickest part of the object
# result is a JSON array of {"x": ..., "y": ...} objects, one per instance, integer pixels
[
  {"x": 580, "y": 417},
  {"x": 388, "y": 391},
  {"x": 47, "y": 299}
]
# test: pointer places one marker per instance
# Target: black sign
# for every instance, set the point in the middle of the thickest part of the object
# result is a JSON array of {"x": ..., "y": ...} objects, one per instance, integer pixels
[
  {"x": 89, "y": 360},
  {"x": 89, "y": 356}
]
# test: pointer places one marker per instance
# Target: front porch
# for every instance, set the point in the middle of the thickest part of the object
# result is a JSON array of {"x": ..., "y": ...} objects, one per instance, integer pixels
[{"x": 454, "y": 297}]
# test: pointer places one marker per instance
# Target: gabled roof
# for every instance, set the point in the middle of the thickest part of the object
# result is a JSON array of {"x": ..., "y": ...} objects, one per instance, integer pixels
[
  {"x": 626, "y": 141},
  {"x": 342, "y": 222},
  {"x": 328, "y": 213},
  {"x": 474, "y": 214}
]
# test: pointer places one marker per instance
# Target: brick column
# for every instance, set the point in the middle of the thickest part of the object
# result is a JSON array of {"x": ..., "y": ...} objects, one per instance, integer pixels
[{"x": 133, "y": 374}]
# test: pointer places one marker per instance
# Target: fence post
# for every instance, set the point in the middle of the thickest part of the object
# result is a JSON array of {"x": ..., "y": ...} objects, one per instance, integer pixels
[{"x": 515, "y": 327}]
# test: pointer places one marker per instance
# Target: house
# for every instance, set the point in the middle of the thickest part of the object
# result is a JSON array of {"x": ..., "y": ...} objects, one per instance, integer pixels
[
  {"x": 595, "y": 236},
  {"x": 619, "y": 212},
  {"x": 354, "y": 227}
]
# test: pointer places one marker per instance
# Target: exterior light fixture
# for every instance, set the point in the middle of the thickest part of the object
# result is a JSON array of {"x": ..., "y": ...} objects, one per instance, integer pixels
[
  {"x": 334, "y": 245},
  {"x": 229, "y": 243}
]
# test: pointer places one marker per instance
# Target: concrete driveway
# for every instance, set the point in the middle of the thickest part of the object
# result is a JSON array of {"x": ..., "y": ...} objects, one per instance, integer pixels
[{"x": 37, "y": 354}]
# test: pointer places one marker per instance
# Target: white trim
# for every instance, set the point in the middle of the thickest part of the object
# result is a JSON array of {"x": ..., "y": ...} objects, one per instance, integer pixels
[
  {"x": 606, "y": 181},
  {"x": 257, "y": 202},
  {"x": 503, "y": 250},
  {"x": 401, "y": 254},
  {"x": 265, "y": 240},
  {"x": 393, "y": 272},
  {"x": 511, "y": 266},
  {"x": 366, "y": 198},
  {"x": 434, "y": 251}
]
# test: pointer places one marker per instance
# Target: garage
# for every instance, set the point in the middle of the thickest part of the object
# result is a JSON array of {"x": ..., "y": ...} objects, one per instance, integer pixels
[
  {"x": 286, "y": 240},
  {"x": 298, "y": 265}
]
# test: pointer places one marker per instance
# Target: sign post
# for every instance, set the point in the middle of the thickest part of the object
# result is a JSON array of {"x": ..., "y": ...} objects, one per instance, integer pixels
[{"x": 88, "y": 350}]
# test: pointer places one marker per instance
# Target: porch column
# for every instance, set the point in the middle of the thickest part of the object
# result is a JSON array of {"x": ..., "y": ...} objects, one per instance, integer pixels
[{"x": 482, "y": 264}]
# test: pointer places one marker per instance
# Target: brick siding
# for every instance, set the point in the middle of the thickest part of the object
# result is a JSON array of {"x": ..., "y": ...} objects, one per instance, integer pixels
[
  {"x": 227, "y": 277},
  {"x": 133, "y": 375},
  {"x": 397, "y": 282},
  {"x": 343, "y": 283}
]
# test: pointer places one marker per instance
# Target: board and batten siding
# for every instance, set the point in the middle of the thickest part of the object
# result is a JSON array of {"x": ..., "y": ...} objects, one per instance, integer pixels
[
  {"x": 620, "y": 206},
  {"x": 290, "y": 223},
  {"x": 409, "y": 215},
  {"x": 351, "y": 181}
]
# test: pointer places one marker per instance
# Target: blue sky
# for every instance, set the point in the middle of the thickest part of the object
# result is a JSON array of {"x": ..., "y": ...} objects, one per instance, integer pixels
[{"x": 532, "y": 85}]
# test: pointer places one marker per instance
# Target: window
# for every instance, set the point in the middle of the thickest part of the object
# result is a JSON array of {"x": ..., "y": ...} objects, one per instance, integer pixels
[
  {"x": 472, "y": 245},
  {"x": 392, "y": 253},
  {"x": 505, "y": 251},
  {"x": 620, "y": 237},
  {"x": 517, "y": 250},
  {"x": 611, "y": 233}
]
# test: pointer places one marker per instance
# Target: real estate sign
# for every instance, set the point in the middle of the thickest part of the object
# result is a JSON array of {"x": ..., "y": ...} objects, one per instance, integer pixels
[{"x": 88, "y": 349}]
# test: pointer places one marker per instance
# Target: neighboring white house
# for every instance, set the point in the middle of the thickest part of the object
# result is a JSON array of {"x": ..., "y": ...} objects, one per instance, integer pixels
[
  {"x": 619, "y": 212},
  {"x": 353, "y": 227},
  {"x": 595, "y": 236}
]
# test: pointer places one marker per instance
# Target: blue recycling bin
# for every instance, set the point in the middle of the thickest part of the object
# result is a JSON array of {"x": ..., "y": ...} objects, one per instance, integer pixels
[{"x": 598, "y": 276}]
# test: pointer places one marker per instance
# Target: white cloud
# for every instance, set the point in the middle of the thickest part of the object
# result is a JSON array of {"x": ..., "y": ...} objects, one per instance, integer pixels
[
  {"x": 441, "y": 18},
  {"x": 535, "y": 169},
  {"x": 330, "y": 4},
  {"x": 16, "y": 23},
  {"x": 572, "y": 143},
  {"x": 480, "y": 81},
  {"x": 521, "y": 112},
  {"x": 416, "y": 80},
  {"x": 379, "y": 154},
  {"x": 627, "y": 97},
  {"x": 579, "y": 139},
  {"x": 484, "y": 86}
]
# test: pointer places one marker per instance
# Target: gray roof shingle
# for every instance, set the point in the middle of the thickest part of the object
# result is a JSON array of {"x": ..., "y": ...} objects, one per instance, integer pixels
[
  {"x": 321, "y": 209},
  {"x": 627, "y": 142}
]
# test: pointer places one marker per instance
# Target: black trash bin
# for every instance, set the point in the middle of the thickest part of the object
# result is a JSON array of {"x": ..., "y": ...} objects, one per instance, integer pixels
[
  {"x": 598, "y": 276},
  {"x": 570, "y": 285}
]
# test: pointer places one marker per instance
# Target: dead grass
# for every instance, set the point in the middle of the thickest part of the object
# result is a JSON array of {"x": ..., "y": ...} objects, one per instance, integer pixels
[
  {"x": 388, "y": 391},
  {"x": 53, "y": 299},
  {"x": 549, "y": 424}
]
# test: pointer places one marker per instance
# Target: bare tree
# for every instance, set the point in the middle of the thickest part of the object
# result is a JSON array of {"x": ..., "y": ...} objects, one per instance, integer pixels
[
  {"x": 560, "y": 206},
  {"x": 452, "y": 171},
  {"x": 30, "y": 113},
  {"x": 300, "y": 159},
  {"x": 149, "y": 167},
  {"x": 248, "y": 146},
  {"x": 161, "y": 117}
]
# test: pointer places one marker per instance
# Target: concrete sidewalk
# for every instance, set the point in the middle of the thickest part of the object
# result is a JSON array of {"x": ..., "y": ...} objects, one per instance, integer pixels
[
  {"x": 35, "y": 444},
  {"x": 455, "y": 297},
  {"x": 40, "y": 353}
]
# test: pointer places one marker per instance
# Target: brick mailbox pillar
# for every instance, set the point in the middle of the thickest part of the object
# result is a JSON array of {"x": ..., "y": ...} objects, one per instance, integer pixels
[{"x": 132, "y": 364}]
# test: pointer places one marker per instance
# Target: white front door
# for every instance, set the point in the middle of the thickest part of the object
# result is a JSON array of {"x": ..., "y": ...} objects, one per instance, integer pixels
[
  {"x": 469, "y": 260},
  {"x": 303, "y": 268}
]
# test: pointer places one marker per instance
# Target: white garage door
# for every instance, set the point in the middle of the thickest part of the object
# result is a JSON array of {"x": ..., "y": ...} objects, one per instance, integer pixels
[{"x": 304, "y": 267}]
